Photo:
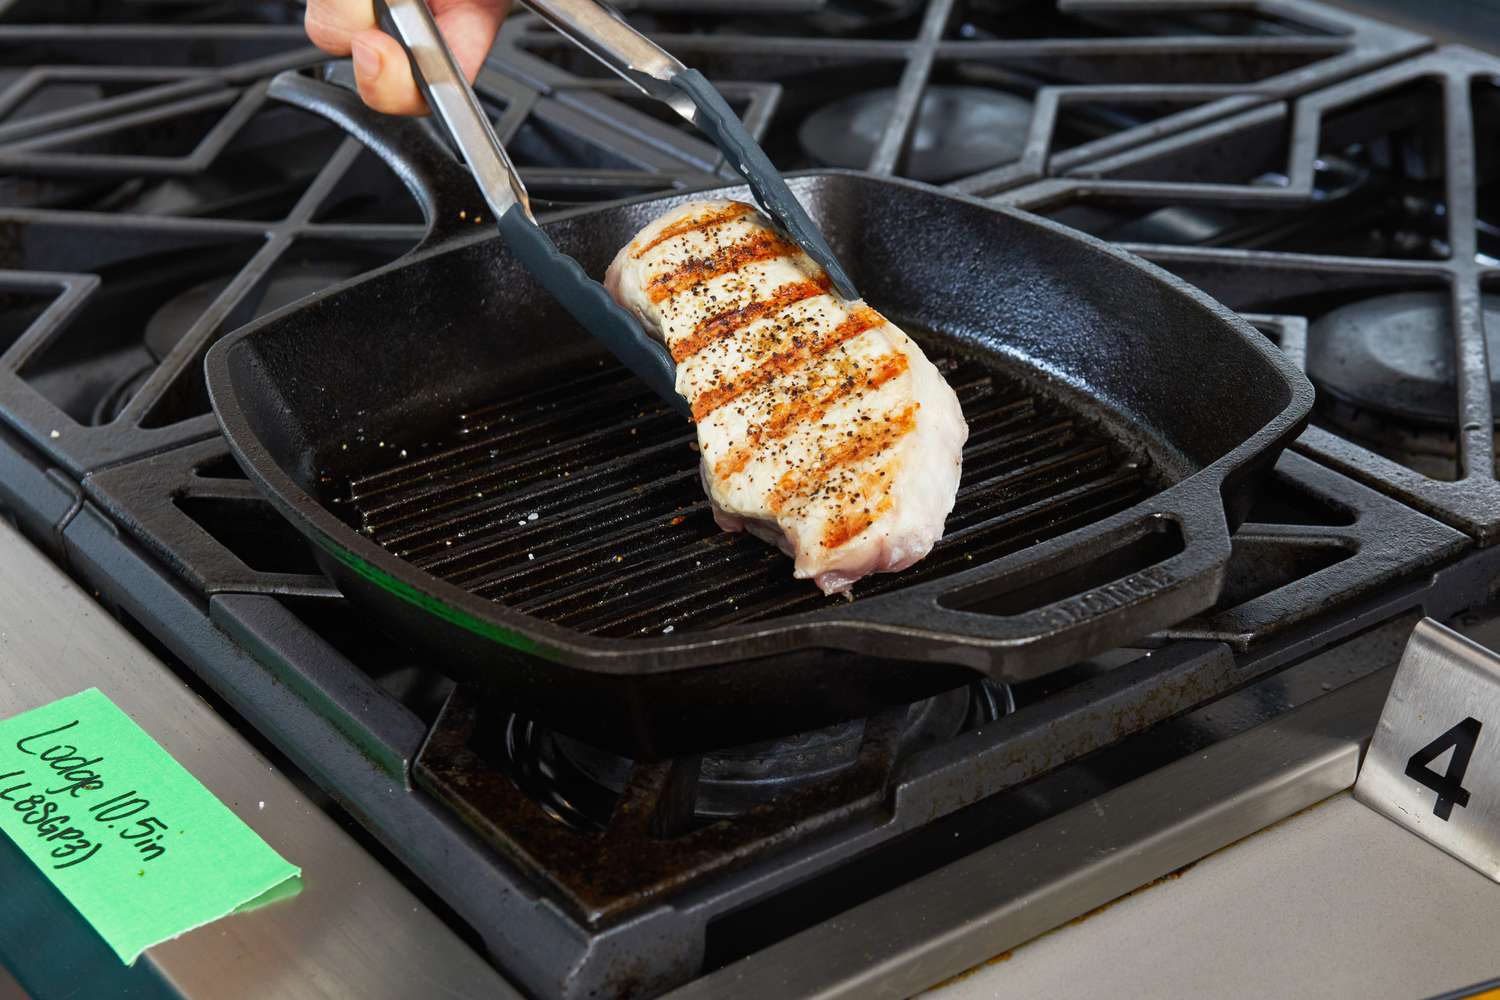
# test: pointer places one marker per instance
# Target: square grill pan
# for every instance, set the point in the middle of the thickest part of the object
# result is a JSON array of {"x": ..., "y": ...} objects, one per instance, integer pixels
[{"x": 1120, "y": 418}]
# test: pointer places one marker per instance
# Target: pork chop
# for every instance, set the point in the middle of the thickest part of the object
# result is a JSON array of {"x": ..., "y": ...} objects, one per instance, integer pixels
[{"x": 823, "y": 428}]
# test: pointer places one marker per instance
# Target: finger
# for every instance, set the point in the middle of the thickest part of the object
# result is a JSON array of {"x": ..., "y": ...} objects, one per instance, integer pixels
[
  {"x": 332, "y": 24},
  {"x": 470, "y": 27},
  {"x": 383, "y": 74}
]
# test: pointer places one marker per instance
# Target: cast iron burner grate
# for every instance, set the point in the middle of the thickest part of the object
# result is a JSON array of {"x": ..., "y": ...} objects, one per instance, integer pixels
[
  {"x": 988, "y": 92},
  {"x": 155, "y": 195},
  {"x": 1359, "y": 227},
  {"x": 580, "y": 503},
  {"x": 152, "y": 132}
]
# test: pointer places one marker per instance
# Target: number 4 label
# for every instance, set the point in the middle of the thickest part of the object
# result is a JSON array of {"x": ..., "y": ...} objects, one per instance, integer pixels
[
  {"x": 1444, "y": 704},
  {"x": 1449, "y": 785}
]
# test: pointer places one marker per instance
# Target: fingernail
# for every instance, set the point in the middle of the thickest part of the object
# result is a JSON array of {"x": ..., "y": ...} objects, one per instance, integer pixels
[{"x": 366, "y": 59}]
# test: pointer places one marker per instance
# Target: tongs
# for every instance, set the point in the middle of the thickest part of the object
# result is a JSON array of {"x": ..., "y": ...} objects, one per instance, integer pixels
[{"x": 606, "y": 36}]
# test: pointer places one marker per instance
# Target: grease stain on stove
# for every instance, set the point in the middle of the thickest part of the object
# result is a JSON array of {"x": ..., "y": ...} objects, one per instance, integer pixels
[{"x": 1000, "y": 959}]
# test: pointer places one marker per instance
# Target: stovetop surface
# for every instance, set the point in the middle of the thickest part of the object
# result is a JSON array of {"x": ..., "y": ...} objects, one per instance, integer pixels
[{"x": 1314, "y": 169}]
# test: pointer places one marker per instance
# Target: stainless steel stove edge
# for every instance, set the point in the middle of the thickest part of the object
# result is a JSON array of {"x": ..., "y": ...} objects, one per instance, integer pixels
[
  {"x": 1006, "y": 894},
  {"x": 490, "y": 894}
]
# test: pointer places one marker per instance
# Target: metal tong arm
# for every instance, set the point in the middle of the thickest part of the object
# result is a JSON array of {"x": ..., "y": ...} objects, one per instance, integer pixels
[
  {"x": 452, "y": 100},
  {"x": 603, "y": 34}
]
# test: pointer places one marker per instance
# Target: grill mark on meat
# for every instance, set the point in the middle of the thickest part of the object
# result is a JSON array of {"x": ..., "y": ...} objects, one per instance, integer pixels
[
  {"x": 848, "y": 524},
  {"x": 845, "y": 527},
  {"x": 710, "y": 220},
  {"x": 787, "y": 416},
  {"x": 724, "y": 324},
  {"x": 763, "y": 245},
  {"x": 831, "y": 478},
  {"x": 859, "y": 320}
]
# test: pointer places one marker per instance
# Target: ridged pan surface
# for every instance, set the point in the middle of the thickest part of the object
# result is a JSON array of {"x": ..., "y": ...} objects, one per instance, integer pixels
[
  {"x": 580, "y": 503},
  {"x": 544, "y": 532}
]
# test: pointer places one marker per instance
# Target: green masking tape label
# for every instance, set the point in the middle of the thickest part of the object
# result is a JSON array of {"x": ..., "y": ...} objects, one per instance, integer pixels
[{"x": 136, "y": 844}]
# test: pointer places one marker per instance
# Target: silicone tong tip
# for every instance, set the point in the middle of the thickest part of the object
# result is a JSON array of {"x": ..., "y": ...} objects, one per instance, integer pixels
[{"x": 591, "y": 305}]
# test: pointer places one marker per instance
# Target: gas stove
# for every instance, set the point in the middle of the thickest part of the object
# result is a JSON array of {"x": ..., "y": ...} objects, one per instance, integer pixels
[{"x": 1314, "y": 169}]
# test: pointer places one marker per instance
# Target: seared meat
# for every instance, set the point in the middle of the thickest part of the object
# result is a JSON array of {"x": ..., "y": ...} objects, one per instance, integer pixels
[{"x": 823, "y": 428}]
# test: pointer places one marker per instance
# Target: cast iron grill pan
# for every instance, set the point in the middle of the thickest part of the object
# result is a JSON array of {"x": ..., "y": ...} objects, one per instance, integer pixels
[{"x": 1082, "y": 368}]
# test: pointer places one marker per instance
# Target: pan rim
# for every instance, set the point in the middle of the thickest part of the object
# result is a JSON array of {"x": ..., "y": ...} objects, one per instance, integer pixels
[{"x": 660, "y": 654}]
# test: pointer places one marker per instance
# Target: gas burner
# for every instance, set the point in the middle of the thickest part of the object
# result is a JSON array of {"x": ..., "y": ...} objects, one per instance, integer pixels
[
  {"x": 170, "y": 322},
  {"x": 1393, "y": 355},
  {"x": 959, "y": 131},
  {"x": 579, "y": 784},
  {"x": 1385, "y": 374}
]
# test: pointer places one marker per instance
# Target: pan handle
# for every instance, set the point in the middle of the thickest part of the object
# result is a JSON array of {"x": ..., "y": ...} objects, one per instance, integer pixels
[
  {"x": 1126, "y": 582},
  {"x": 444, "y": 190}
]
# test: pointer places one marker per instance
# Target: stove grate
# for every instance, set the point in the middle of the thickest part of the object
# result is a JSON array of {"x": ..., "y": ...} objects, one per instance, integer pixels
[
  {"x": 125, "y": 145},
  {"x": 1374, "y": 192},
  {"x": 1067, "y": 81},
  {"x": 148, "y": 128}
]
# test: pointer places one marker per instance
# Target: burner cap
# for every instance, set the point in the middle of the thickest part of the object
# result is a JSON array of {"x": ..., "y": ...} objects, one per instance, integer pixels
[
  {"x": 1393, "y": 355},
  {"x": 959, "y": 131},
  {"x": 172, "y": 320},
  {"x": 175, "y": 317}
]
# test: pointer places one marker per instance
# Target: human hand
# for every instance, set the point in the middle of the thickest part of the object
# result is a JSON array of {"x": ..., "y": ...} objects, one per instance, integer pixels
[{"x": 381, "y": 68}]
